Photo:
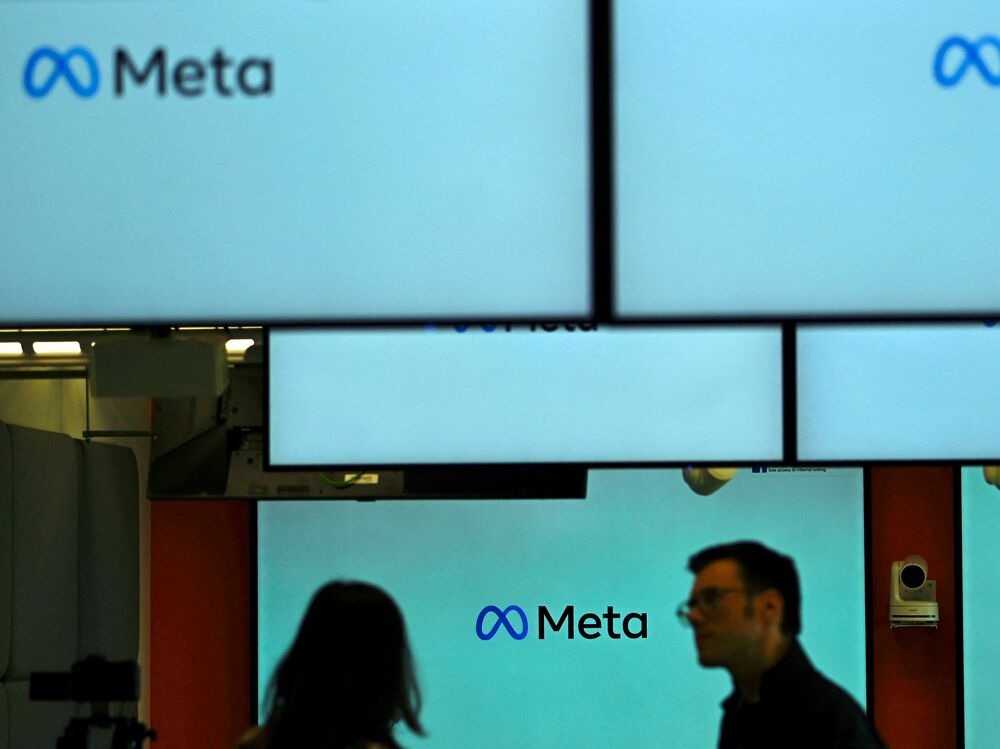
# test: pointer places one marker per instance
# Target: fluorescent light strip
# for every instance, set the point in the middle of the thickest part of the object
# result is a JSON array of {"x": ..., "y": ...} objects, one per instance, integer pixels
[
  {"x": 56, "y": 348},
  {"x": 12, "y": 348}
]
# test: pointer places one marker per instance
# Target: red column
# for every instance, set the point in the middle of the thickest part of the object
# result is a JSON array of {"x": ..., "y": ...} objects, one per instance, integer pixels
[
  {"x": 914, "y": 670},
  {"x": 200, "y": 613}
]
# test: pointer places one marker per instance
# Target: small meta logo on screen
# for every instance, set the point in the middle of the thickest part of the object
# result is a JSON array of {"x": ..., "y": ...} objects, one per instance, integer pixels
[
  {"x": 957, "y": 55},
  {"x": 59, "y": 66},
  {"x": 509, "y": 328},
  {"x": 518, "y": 629},
  {"x": 188, "y": 77},
  {"x": 589, "y": 626}
]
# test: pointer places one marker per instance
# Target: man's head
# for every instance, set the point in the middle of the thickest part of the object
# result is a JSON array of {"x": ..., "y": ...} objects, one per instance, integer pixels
[{"x": 744, "y": 597}]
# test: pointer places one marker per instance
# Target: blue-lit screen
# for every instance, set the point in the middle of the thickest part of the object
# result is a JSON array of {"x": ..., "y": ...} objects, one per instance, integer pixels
[
  {"x": 257, "y": 160},
  {"x": 524, "y": 395},
  {"x": 793, "y": 157},
  {"x": 980, "y": 603},
  {"x": 625, "y": 546},
  {"x": 900, "y": 392}
]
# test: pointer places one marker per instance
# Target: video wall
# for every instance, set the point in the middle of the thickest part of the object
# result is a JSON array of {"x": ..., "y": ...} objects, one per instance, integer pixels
[
  {"x": 626, "y": 546},
  {"x": 254, "y": 161},
  {"x": 298, "y": 161},
  {"x": 627, "y": 395},
  {"x": 770, "y": 166},
  {"x": 786, "y": 159},
  {"x": 898, "y": 392},
  {"x": 524, "y": 394}
]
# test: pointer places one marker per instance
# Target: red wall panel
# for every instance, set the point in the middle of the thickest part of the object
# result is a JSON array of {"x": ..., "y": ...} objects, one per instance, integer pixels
[
  {"x": 914, "y": 670},
  {"x": 199, "y": 623}
]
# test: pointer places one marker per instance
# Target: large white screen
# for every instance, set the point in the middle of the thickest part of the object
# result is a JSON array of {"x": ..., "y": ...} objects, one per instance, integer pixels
[
  {"x": 626, "y": 546},
  {"x": 354, "y": 397},
  {"x": 401, "y": 160},
  {"x": 980, "y": 605},
  {"x": 790, "y": 158},
  {"x": 903, "y": 392}
]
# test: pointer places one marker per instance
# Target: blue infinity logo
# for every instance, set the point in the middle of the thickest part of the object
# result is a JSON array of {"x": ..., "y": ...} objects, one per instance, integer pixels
[
  {"x": 61, "y": 69},
  {"x": 502, "y": 619},
  {"x": 970, "y": 58}
]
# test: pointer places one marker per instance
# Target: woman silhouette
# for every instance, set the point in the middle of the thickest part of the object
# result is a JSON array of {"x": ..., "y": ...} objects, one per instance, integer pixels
[{"x": 347, "y": 679}]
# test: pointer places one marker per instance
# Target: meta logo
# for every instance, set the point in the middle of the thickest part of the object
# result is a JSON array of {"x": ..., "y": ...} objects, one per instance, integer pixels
[
  {"x": 971, "y": 57},
  {"x": 60, "y": 68},
  {"x": 188, "y": 77},
  {"x": 546, "y": 327},
  {"x": 588, "y": 626},
  {"x": 517, "y": 634}
]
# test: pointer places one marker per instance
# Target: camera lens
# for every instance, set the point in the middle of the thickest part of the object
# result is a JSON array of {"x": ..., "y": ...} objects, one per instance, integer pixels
[{"x": 912, "y": 576}]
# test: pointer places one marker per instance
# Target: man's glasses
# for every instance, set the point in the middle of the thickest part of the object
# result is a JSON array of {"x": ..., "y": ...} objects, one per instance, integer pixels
[{"x": 706, "y": 601}]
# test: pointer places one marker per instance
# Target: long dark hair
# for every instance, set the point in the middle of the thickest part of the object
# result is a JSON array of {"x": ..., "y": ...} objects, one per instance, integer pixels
[{"x": 348, "y": 676}]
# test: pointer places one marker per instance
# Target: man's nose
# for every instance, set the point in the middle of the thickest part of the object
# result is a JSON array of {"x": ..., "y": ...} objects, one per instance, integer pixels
[{"x": 694, "y": 616}]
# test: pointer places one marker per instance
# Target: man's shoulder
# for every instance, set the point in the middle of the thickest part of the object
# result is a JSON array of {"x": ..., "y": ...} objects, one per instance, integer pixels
[
  {"x": 809, "y": 704},
  {"x": 825, "y": 708},
  {"x": 815, "y": 682}
]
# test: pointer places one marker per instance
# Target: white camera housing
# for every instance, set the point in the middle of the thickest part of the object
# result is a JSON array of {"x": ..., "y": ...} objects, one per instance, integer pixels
[{"x": 912, "y": 597}]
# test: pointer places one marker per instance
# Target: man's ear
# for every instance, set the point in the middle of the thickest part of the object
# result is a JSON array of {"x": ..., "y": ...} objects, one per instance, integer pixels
[{"x": 772, "y": 604}]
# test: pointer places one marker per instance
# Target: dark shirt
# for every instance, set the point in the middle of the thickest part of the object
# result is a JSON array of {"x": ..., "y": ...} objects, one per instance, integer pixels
[{"x": 799, "y": 708}]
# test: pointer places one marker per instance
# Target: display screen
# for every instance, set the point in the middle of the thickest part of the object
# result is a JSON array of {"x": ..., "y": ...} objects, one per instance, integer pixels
[
  {"x": 261, "y": 161},
  {"x": 980, "y": 601},
  {"x": 626, "y": 546},
  {"x": 524, "y": 394},
  {"x": 789, "y": 158},
  {"x": 903, "y": 392}
]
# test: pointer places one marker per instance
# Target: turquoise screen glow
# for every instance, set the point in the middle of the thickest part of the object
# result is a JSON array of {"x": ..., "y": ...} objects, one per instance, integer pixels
[
  {"x": 795, "y": 158},
  {"x": 610, "y": 395},
  {"x": 901, "y": 392},
  {"x": 980, "y": 602},
  {"x": 625, "y": 546},
  {"x": 265, "y": 160}
]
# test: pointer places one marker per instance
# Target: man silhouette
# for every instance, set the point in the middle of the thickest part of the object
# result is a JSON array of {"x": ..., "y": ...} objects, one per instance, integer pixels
[{"x": 744, "y": 609}]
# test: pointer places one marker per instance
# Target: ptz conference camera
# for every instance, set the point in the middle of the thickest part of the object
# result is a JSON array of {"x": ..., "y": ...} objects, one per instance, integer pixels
[{"x": 912, "y": 597}]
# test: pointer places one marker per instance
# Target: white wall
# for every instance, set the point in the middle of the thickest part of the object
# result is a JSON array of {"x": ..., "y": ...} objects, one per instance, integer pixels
[{"x": 60, "y": 406}]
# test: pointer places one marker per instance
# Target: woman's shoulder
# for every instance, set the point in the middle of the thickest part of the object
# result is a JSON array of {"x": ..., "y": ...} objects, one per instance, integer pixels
[
  {"x": 252, "y": 739},
  {"x": 256, "y": 738}
]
